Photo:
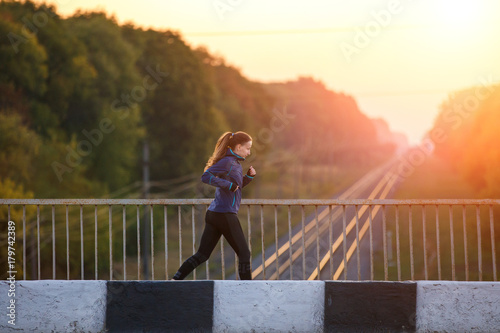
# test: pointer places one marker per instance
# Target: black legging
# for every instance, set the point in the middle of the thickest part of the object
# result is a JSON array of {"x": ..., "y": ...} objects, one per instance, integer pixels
[{"x": 218, "y": 224}]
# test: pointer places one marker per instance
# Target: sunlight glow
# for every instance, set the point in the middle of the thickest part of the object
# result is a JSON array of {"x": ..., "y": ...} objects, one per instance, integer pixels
[{"x": 459, "y": 15}]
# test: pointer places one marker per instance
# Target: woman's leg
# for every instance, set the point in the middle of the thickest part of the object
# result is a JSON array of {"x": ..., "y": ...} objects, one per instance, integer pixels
[
  {"x": 234, "y": 234},
  {"x": 209, "y": 239}
]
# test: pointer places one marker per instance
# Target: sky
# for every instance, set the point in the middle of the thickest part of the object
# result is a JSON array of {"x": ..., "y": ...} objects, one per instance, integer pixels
[{"x": 400, "y": 59}]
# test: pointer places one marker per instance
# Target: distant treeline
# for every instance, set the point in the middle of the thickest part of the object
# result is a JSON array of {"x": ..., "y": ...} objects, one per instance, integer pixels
[
  {"x": 467, "y": 135},
  {"x": 80, "y": 95}
]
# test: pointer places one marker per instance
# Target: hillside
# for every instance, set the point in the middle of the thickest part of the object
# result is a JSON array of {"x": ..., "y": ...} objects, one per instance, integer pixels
[{"x": 79, "y": 96}]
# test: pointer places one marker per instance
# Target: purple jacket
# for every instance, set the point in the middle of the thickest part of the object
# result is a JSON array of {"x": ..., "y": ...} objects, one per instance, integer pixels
[{"x": 225, "y": 175}]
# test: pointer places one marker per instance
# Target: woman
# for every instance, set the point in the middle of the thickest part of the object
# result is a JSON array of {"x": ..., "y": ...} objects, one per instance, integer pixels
[{"x": 224, "y": 171}]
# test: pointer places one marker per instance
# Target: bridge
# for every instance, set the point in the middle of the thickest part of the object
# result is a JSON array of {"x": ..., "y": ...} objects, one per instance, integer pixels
[{"x": 339, "y": 264}]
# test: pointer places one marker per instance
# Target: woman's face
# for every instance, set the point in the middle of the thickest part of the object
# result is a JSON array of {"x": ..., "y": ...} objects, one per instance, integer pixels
[{"x": 243, "y": 149}]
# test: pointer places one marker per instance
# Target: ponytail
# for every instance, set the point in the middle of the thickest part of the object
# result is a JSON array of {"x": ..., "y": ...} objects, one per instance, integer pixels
[{"x": 226, "y": 140}]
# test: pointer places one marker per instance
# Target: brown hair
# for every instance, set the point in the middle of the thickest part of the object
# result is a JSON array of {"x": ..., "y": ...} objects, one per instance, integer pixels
[{"x": 228, "y": 139}]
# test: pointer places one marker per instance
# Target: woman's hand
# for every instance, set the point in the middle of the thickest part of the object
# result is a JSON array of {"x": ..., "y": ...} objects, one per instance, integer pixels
[
  {"x": 234, "y": 187},
  {"x": 251, "y": 172}
]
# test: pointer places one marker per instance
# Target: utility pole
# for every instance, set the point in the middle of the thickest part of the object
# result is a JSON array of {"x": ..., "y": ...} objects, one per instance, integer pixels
[{"x": 145, "y": 190}]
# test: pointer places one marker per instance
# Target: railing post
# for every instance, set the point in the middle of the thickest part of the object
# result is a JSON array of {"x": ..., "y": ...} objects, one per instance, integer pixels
[
  {"x": 357, "y": 243},
  {"x": 110, "y": 243},
  {"x": 465, "y": 244},
  {"x": 180, "y": 233},
  {"x": 262, "y": 240},
  {"x": 344, "y": 227},
  {"x": 317, "y": 241},
  {"x": 370, "y": 219},
  {"x": 290, "y": 241},
  {"x": 492, "y": 233},
  {"x": 194, "y": 235},
  {"x": 249, "y": 227},
  {"x": 424, "y": 218},
  {"x": 276, "y": 241},
  {"x": 53, "y": 242},
  {"x": 165, "y": 217},
  {"x": 398, "y": 253},
  {"x": 438, "y": 244},
  {"x": 452, "y": 243},
  {"x": 124, "y": 226},
  {"x": 151, "y": 211},
  {"x": 24, "y": 242},
  {"x": 479, "y": 250},
  {"x": 303, "y": 243},
  {"x": 38, "y": 240},
  {"x": 138, "y": 244},
  {"x": 207, "y": 265},
  {"x": 384, "y": 241},
  {"x": 81, "y": 243},
  {"x": 95, "y": 242},
  {"x": 67, "y": 244},
  {"x": 330, "y": 236},
  {"x": 410, "y": 229}
]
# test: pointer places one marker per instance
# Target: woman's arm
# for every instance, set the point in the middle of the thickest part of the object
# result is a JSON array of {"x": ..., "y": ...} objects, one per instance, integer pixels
[{"x": 210, "y": 176}]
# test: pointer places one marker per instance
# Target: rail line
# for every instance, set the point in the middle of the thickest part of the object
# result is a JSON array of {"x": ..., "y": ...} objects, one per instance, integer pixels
[
  {"x": 353, "y": 191},
  {"x": 359, "y": 237}
]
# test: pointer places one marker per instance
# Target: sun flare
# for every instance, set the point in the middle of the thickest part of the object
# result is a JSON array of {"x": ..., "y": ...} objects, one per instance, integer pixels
[{"x": 461, "y": 14}]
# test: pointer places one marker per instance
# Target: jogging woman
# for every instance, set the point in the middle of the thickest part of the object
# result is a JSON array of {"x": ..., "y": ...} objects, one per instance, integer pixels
[{"x": 224, "y": 171}]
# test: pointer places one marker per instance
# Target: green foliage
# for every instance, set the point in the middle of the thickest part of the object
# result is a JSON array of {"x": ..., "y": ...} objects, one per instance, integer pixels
[
  {"x": 245, "y": 104},
  {"x": 91, "y": 91},
  {"x": 23, "y": 70},
  {"x": 19, "y": 147},
  {"x": 178, "y": 109},
  {"x": 22, "y": 59},
  {"x": 55, "y": 177}
]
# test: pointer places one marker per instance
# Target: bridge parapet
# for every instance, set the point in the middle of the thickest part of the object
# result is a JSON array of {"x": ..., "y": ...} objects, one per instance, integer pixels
[
  {"x": 296, "y": 239},
  {"x": 252, "y": 306}
]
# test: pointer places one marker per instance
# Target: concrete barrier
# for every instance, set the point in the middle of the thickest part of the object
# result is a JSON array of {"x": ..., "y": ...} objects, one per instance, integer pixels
[
  {"x": 54, "y": 306},
  {"x": 251, "y": 306},
  {"x": 160, "y": 306},
  {"x": 444, "y": 306},
  {"x": 370, "y": 306},
  {"x": 268, "y": 306}
]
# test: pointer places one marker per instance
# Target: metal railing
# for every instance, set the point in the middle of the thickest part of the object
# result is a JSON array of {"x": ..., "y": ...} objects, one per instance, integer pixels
[{"x": 351, "y": 239}]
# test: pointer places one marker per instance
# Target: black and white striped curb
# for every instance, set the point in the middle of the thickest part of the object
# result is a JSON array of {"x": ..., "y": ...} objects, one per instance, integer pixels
[{"x": 250, "y": 306}]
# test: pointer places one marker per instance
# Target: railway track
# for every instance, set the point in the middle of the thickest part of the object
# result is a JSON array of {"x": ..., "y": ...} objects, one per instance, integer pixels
[{"x": 323, "y": 244}]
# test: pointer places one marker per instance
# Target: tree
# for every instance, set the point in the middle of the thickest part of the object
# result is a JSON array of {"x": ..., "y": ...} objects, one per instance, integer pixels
[
  {"x": 469, "y": 139},
  {"x": 113, "y": 98},
  {"x": 326, "y": 124},
  {"x": 179, "y": 114},
  {"x": 23, "y": 69}
]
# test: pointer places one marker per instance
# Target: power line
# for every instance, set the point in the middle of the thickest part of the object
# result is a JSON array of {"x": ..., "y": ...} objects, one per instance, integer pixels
[
  {"x": 295, "y": 31},
  {"x": 401, "y": 93},
  {"x": 409, "y": 92}
]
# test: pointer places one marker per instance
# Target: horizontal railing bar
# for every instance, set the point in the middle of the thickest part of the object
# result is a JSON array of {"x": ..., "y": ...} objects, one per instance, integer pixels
[
  {"x": 104, "y": 201},
  {"x": 291, "y": 202}
]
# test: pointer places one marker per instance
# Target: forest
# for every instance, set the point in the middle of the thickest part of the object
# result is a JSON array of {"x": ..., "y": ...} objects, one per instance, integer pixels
[{"x": 80, "y": 95}]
